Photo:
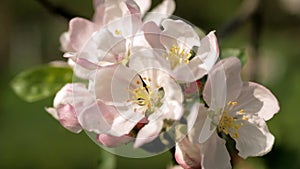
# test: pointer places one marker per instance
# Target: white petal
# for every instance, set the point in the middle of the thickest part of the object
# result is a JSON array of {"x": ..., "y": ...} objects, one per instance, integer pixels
[
  {"x": 65, "y": 42},
  {"x": 224, "y": 83},
  {"x": 161, "y": 11},
  {"x": 145, "y": 59},
  {"x": 190, "y": 72},
  {"x": 256, "y": 99},
  {"x": 214, "y": 154},
  {"x": 152, "y": 34},
  {"x": 215, "y": 89},
  {"x": 207, "y": 130},
  {"x": 52, "y": 111},
  {"x": 208, "y": 50},
  {"x": 177, "y": 32},
  {"x": 149, "y": 132},
  {"x": 188, "y": 154},
  {"x": 144, "y": 5},
  {"x": 96, "y": 118},
  {"x": 254, "y": 139},
  {"x": 125, "y": 27},
  {"x": 113, "y": 141},
  {"x": 81, "y": 31},
  {"x": 114, "y": 83},
  {"x": 195, "y": 123},
  {"x": 107, "y": 45}
]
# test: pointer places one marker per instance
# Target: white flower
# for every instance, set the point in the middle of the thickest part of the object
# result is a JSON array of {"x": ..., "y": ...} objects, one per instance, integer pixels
[
  {"x": 72, "y": 98},
  {"x": 187, "y": 57},
  {"x": 238, "y": 109},
  {"x": 128, "y": 97}
]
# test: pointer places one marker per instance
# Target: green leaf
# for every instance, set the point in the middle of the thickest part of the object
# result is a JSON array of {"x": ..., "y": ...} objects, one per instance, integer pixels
[
  {"x": 41, "y": 82},
  {"x": 231, "y": 52},
  {"x": 107, "y": 161}
]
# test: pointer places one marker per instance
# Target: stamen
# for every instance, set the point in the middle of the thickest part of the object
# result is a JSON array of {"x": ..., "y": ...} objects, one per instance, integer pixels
[
  {"x": 178, "y": 56},
  {"x": 230, "y": 125},
  {"x": 118, "y": 32}
]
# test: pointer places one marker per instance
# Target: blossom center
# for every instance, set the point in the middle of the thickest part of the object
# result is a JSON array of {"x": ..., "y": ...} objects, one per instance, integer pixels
[
  {"x": 147, "y": 97},
  {"x": 231, "y": 124},
  {"x": 178, "y": 56}
]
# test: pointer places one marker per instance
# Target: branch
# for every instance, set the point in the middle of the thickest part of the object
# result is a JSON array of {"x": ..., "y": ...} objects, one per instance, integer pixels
[
  {"x": 256, "y": 30},
  {"x": 57, "y": 10},
  {"x": 245, "y": 12}
]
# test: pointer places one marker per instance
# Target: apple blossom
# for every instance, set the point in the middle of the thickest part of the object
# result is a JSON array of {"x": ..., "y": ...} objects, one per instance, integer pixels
[
  {"x": 178, "y": 40},
  {"x": 66, "y": 106},
  {"x": 132, "y": 96},
  {"x": 237, "y": 109}
]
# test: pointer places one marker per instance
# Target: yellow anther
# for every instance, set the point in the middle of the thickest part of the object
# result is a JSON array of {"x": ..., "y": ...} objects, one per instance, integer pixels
[
  {"x": 242, "y": 111},
  {"x": 245, "y": 118},
  {"x": 234, "y": 103},
  {"x": 178, "y": 56},
  {"x": 118, "y": 32}
]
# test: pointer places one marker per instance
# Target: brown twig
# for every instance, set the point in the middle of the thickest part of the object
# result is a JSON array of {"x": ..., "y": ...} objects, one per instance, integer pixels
[
  {"x": 244, "y": 13},
  {"x": 256, "y": 30},
  {"x": 57, "y": 10}
]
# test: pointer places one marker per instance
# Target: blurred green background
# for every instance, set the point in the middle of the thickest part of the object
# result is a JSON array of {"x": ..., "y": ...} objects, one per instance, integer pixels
[{"x": 31, "y": 138}]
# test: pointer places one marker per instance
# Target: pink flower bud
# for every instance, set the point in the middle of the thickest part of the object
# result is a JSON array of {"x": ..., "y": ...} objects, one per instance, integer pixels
[
  {"x": 188, "y": 155},
  {"x": 113, "y": 141}
]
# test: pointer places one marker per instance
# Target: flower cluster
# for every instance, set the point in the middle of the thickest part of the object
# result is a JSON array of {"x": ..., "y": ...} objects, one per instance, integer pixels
[{"x": 144, "y": 75}]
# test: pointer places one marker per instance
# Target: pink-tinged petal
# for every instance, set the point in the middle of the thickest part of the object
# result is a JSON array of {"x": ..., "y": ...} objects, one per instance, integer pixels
[
  {"x": 69, "y": 101},
  {"x": 149, "y": 132},
  {"x": 99, "y": 15},
  {"x": 224, "y": 83},
  {"x": 113, "y": 141},
  {"x": 151, "y": 60},
  {"x": 195, "y": 122},
  {"x": 114, "y": 9},
  {"x": 105, "y": 47},
  {"x": 125, "y": 120},
  {"x": 161, "y": 11},
  {"x": 256, "y": 99},
  {"x": 96, "y": 3},
  {"x": 125, "y": 27},
  {"x": 65, "y": 42},
  {"x": 188, "y": 154},
  {"x": 52, "y": 111},
  {"x": 68, "y": 119},
  {"x": 97, "y": 117},
  {"x": 175, "y": 167},
  {"x": 133, "y": 7},
  {"x": 81, "y": 31},
  {"x": 208, "y": 50},
  {"x": 214, "y": 154},
  {"x": 189, "y": 72},
  {"x": 152, "y": 34},
  {"x": 144, "y": 5},
  {"x": 215, "y": 89},
  {"x": 254, "y": 138},
  {"x": 114, "y": 83},
  {"x": 75, "y": 94},
  {"x": 179, "y": 33}
]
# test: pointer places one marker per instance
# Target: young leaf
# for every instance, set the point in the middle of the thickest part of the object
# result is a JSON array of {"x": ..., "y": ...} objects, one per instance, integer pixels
[
  {"x": 41, "y": 82},
  {"x": 239, "y": 53}
]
